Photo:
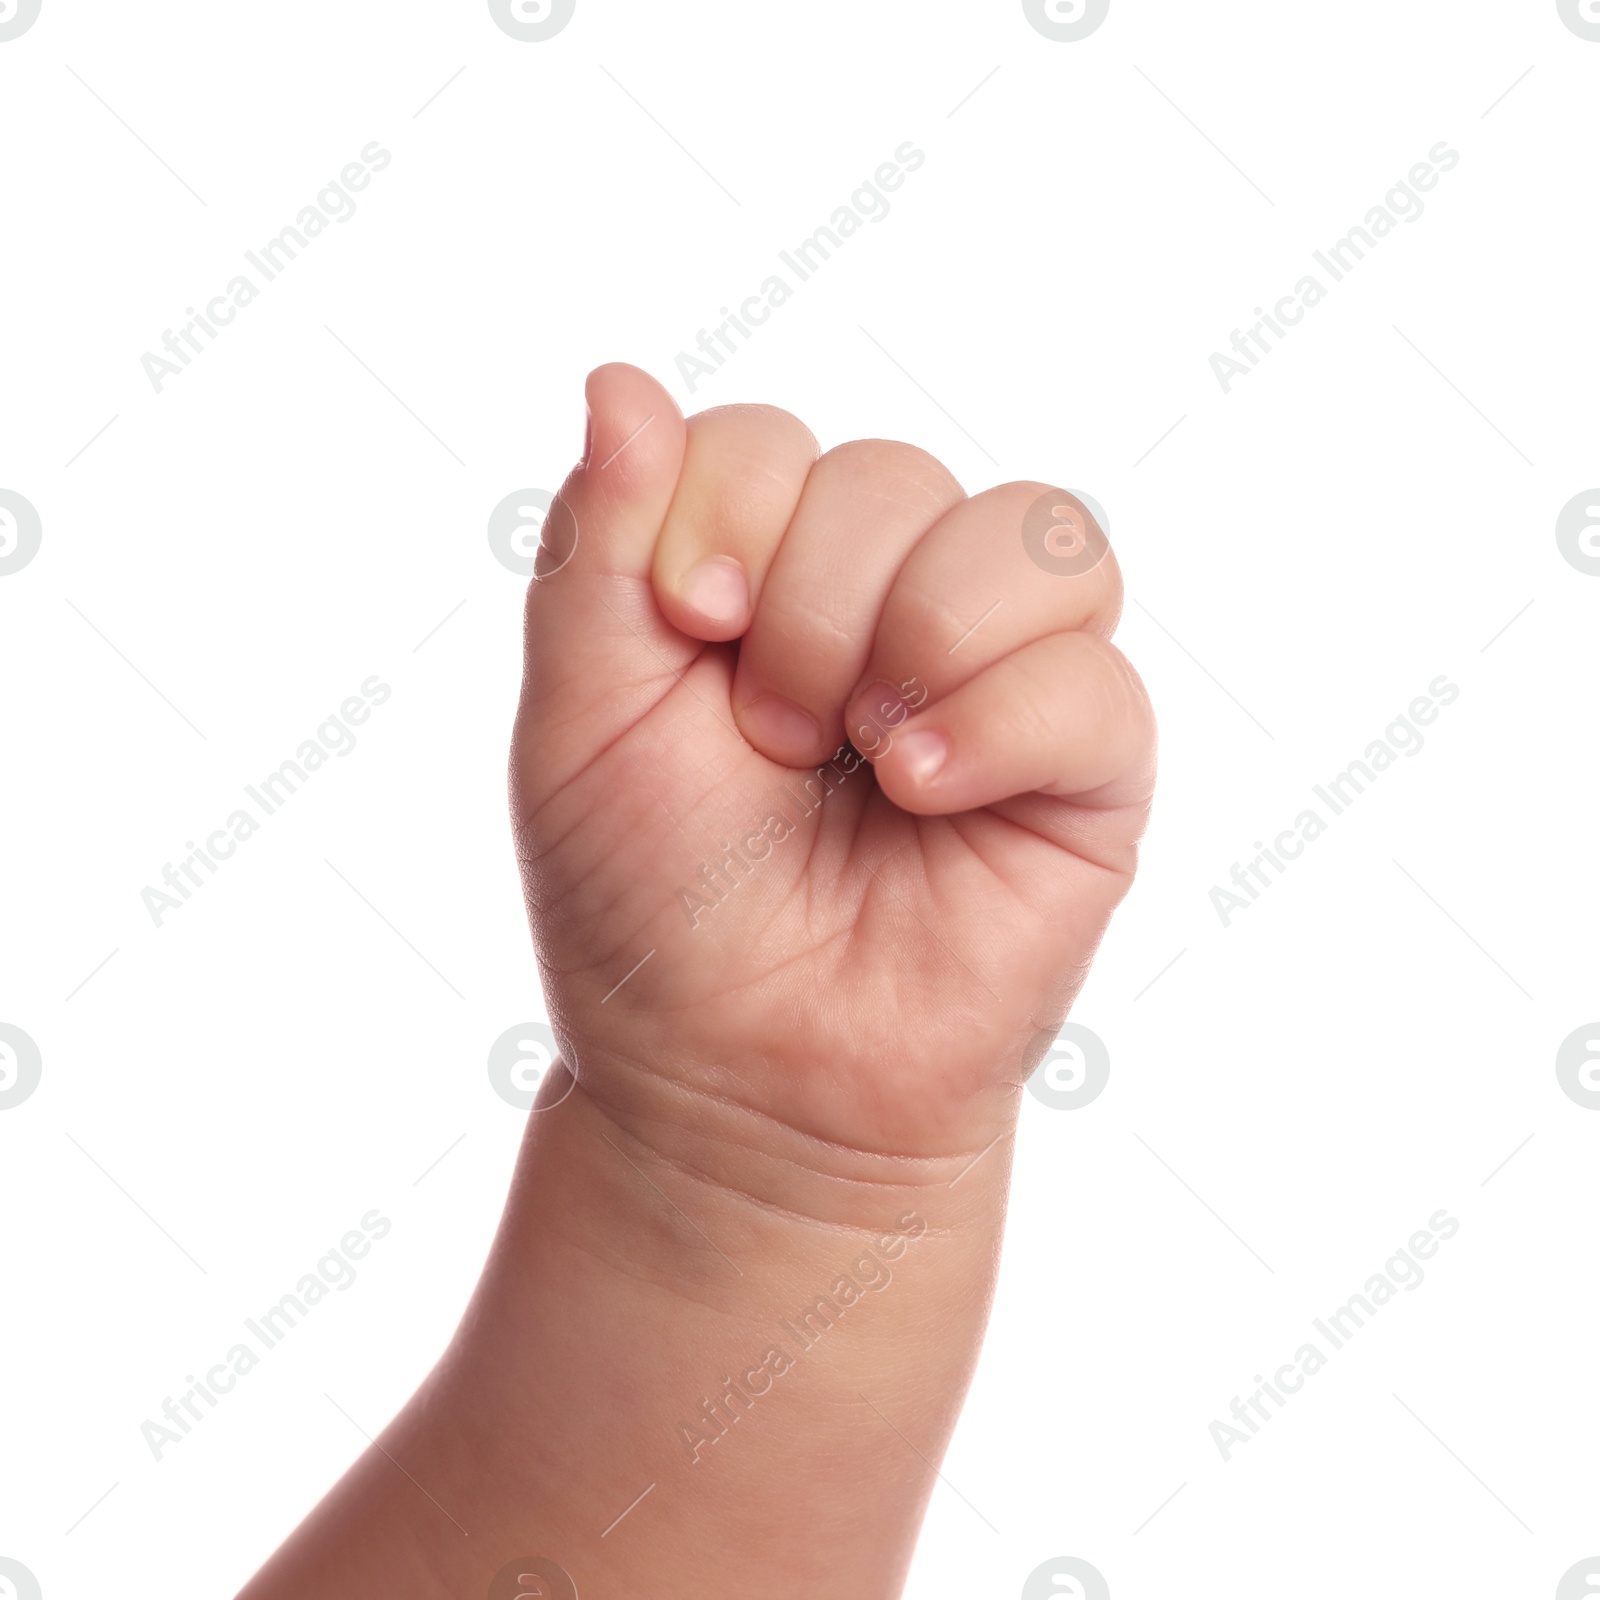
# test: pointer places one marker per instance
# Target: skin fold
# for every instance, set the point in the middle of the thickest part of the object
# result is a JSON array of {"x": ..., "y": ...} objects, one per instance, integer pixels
[{"x": 825, "y": 781}]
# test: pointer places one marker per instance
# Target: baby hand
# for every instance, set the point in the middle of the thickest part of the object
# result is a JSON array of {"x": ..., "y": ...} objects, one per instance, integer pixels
[{"x": 826, "y": 779}]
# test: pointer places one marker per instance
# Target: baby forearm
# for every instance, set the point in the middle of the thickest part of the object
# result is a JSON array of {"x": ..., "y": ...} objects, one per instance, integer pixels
[{"x": 693, "y": 1366}]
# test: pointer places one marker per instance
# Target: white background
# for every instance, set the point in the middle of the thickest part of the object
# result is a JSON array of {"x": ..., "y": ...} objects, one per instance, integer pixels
[{"x": 1292, "y": 1096}]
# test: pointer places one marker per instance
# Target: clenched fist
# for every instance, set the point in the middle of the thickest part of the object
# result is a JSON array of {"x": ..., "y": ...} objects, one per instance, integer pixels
[{"x": 826, "y": 775}]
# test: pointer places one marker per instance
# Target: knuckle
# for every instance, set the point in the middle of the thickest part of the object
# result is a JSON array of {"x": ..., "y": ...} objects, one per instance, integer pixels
[
  {"x": 887, "y": 466},
  {"x": 1124, "y": 697},
  {"x": 1097, "y": 589},
  {"x": 763, "y": 427}
]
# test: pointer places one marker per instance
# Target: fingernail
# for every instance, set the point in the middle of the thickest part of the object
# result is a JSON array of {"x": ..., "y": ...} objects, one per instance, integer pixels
[
  {"x": 922, "y": 753},
  {"x": 717, "y": 590},
  {"x": 782, "y": 728}
]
